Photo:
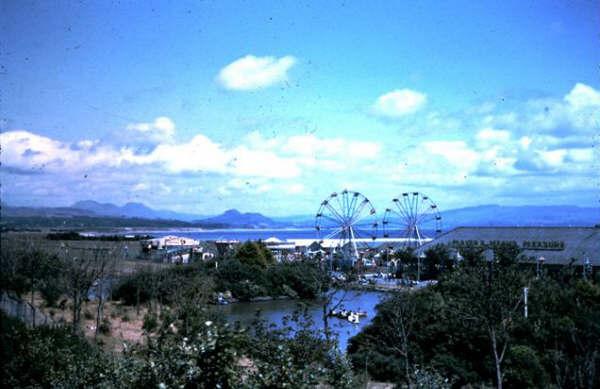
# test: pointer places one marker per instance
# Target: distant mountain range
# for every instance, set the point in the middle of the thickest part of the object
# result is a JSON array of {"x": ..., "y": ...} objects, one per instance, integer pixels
[
  {"x": 527, "y": 215},
  {"x": 139, "y": 214},
  {"x": 132, "y": 210},
  {"x": 235, "y": 218}
]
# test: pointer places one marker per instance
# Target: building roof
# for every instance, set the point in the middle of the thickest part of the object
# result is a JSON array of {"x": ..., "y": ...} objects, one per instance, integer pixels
[{"x": 557, "y": 245}]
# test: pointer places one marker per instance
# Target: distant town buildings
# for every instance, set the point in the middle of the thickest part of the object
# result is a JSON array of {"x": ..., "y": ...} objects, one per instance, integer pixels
[{"x": 552, "y": 245}]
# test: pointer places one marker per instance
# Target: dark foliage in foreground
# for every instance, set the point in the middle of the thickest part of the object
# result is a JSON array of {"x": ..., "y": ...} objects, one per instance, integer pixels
[
  {"x": 471, "y": 329},
  {"x": 46, "y": 357},
  {"x": 201, "y": 353}
]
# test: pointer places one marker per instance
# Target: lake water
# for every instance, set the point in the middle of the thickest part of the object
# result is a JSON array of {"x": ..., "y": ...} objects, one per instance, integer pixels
[
  {"x": 234, "y": 234},
  {"x": 240, "y": 234},
  {"x": 275, "y": 311}
]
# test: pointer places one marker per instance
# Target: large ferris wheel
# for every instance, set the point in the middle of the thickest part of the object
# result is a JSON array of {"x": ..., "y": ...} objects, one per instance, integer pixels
[
  {"x": 412, "y": 217},
  {"x": 348, "y": 220}
]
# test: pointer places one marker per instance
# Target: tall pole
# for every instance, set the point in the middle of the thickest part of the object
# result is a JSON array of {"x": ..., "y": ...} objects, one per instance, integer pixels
[
  {"x": 525, "y": 293},
  {"x": 586, "y": 268},
  {"x": 489, "y": 257}
]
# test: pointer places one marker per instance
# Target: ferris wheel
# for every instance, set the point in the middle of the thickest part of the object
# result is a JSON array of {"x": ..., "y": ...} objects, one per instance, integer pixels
[
  {"x": 347, "y": 219},
  {"x": 414, "y": 218}
]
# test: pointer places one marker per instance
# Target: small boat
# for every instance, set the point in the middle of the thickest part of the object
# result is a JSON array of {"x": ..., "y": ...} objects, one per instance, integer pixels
[
  {"x": 361, "y": 313},
  {"x": 353, "y": 318}
]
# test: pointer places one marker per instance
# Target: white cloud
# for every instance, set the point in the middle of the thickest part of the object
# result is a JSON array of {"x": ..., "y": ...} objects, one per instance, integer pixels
[
  {"x": 140, "y": 187},
  {"x": 489, "y": 136},
  {"x": 161, "y": 129},
  {"x": 541, "y": 147},
  {"x": 29, "y": 151},
  {"x": 250, "y": 72},
  {"x": 198, "y": 154},
  {"x": 310, "y": 145},
  {"x": 295, "y": 188},
  {"x": 582, "y": 96},
  {"x": 278, "y": 158},
  {"x": 458, "y": 153},
  {"x": 576, "y": 113},
  {"x": 247, "y": 162},
  {"x": 399, "y": 103}
]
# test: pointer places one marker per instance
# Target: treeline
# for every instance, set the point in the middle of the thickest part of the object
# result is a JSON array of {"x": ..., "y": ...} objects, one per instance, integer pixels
[
  {"x": 186, "y": 341},
  {"x": 73, "y": 222},
  {"x": 72, "y": 235},
  {"x": 474, "y": 327},
  {"x": 70, "y": 274},
  {"x": 248, "y": 273}
]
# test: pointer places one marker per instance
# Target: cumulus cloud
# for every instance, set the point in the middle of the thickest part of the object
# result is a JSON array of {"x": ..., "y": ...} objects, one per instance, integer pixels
[
  {"x": 576, "y": 114},
  {"x": 541, "y": 143},
  {"x": 295, "y": 188},
  {"x": 282, "y": 158},
  {"x": 489, "y": 137},
  {"x": 28, "y": 151},
  {"x": 398, "y": 103},
  {"x": 250, "y": 72},
  {"x": 309, "y": 144},
  {"x": 582, "y": 96},
  {"x": 538, "y": 147},
  {"x": 310, "y": 151},
  {"x": 161, "y": 129},
  {"x": 247, "y": 162},
  {"x": 198, "y": 154}
]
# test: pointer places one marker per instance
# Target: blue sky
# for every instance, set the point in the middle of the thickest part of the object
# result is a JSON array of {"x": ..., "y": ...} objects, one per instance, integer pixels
[{"x": 264, "y": 106}]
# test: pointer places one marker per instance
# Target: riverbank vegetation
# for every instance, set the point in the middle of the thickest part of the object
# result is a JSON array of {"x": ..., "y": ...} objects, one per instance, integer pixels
[
  {"x": 169, "y": 332},
  {"x": 249, "y": 273}
]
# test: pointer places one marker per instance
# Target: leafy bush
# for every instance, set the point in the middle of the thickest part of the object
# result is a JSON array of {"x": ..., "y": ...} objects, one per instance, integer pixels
[
  {"x": 450, "y": 328},
  {"x": 47, "y": 357},
  {"x": 104, "y": 327},
  {"x": 255, "y": 254},
  {"x": 150, "y": 322}
]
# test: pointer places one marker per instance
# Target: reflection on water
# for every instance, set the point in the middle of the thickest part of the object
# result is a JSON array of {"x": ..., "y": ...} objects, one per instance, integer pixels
[{"x": 275, "y": 311}]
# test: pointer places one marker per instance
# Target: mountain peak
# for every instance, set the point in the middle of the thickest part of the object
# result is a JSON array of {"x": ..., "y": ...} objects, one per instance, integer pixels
[
  {"x": 234, "y": 218},
  {"x": 131, "y": 209}
]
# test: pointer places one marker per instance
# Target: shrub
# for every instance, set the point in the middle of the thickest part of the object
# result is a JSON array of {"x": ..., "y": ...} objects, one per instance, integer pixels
[
  {"x": 150, "y": 322},
  {"x": 104, "y": 327}
]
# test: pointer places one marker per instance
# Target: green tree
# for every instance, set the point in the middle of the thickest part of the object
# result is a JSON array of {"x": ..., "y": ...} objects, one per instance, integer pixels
[
  {"x": 490, "y": 295},
  {"x": 437, "y": 259},
  {"x": 254, "y": 253}
]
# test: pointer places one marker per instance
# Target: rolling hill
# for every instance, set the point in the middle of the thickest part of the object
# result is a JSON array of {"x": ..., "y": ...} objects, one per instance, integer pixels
[{"x": 90, "y": 212}]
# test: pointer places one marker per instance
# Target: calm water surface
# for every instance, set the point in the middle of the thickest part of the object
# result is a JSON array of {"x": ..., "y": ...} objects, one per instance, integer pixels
[{"x": 275, "y": 311}]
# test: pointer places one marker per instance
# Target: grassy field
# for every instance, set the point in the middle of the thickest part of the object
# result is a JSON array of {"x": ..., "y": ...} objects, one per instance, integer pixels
[{"x": 126, "y": 253}]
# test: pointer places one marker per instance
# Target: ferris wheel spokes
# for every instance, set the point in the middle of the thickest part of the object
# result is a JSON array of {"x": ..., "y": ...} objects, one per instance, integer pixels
[
  {"x": 344, "y": 220},
  {"x": 412, "y": 216}
]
